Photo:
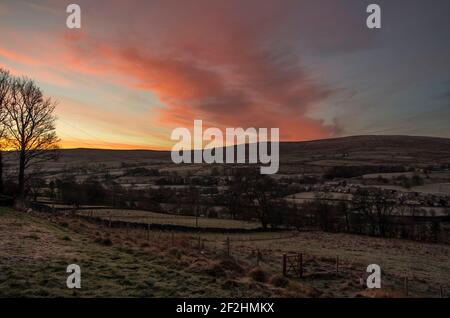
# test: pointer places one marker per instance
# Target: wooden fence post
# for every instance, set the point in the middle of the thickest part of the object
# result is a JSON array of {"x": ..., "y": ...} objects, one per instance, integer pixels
[
  {"x": 300, "y": 261},
  {"x": 406, "y": 286},
  {"x": 284, "y": 265}
]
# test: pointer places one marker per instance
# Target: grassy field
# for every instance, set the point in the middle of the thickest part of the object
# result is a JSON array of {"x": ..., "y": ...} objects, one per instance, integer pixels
[
  {"x": 426, "y": 266},
  {"x": 34, "y": 254},
  {"x": 147, "y": 217},
  {"x": 35, "y": 249}
]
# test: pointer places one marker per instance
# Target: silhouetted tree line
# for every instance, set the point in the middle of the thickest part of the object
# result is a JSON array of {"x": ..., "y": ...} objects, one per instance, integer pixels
[
  {"x": 357, "y": 171},
  {"x": 142, "y": 172},
  {"x": 371, "y": 212}
]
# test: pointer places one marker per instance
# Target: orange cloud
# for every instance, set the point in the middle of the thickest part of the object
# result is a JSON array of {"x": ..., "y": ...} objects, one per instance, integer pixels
[
  {"x": 263, "y": 93},
  {"x": 217, "y": 68},
  {"x": 17, "y": 57}
]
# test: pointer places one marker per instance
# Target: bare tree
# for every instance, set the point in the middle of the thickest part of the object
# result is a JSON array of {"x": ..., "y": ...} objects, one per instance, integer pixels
[
  {"x": 260, "y": 191},
  {"x": 234, "y": 195},
  {"x": 363, "y": 204},
  {"x": 30, "y": 125},
  {"x": 384, "y": 203},
  {"x": 5, "y": 84},
  {"x": 378, "y": 206}
]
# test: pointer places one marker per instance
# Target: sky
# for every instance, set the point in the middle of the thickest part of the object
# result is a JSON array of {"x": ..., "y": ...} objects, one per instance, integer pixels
[{"x": 136, "y": 70}]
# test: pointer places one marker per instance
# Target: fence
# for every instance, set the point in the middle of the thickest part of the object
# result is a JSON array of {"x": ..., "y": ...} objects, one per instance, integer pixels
[{"x": 293, "y": 264}]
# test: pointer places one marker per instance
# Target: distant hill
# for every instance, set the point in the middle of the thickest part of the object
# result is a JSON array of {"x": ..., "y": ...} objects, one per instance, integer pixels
[
  {"x": 369, "y": 149},
  {"x": 376, "y": 149}
]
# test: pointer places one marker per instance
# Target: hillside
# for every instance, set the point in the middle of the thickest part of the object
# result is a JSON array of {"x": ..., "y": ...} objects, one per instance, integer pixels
[
  {"x": 371, "y": 147},
  {"x": 412, "y": 150}
]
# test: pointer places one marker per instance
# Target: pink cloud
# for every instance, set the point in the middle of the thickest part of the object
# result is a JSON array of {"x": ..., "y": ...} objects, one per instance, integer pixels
[{"x": 204, "y": 60}]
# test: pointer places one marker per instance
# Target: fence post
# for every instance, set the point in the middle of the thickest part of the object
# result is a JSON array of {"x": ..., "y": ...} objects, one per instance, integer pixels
[
  {"x": 284, "y": 265},
  {"x": 257, "y": 257},
  {"x": 300, "y": 261},
  {"x": 406, "y": 286}
]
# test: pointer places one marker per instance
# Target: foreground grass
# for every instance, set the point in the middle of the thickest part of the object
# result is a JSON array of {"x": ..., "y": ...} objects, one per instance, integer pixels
[
  {"x": 35, "y": 252},
  {"x": 36, "y": 248}
]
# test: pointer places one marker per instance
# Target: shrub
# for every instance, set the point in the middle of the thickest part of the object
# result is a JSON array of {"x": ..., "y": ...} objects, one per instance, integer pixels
[
  {"x": 103, "y": 241},
  {"x": 259, "y": 275},
  {"x": 279, "y": 281}
]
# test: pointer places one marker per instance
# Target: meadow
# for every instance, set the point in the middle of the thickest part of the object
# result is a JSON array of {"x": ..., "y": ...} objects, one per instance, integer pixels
[{"x": 35, "y": 249}]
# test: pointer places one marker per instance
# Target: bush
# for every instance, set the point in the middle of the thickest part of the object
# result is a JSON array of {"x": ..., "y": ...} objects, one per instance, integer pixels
[
  {"x": 279, "y": 281},
  {"x": 103, "y": 241},
  {"x": 259, "y": 275}
]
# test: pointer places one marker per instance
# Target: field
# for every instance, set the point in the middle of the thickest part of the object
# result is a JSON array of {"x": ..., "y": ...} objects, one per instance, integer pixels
[
  {"x": 146, "y": 217},
  {"x": 36, "y": 248},
  {"x": 34, "y": 254},
  {"x": 310, "y": 196}
]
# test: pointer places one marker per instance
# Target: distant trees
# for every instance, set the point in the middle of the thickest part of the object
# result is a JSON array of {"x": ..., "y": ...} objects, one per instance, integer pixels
[
  {"x": 27, "y": 123},
  {"x": 407, "y": 183},
  {"x": 89, "y": 191},
  {"x": 249, "y": 191},
  {"x": 377, "y": 205},
  {"x": 261, "y": 191},
  {"x": 36, "y": 184},
  {"x": 234, "y": 197},
  {"x": 356, "y": 171}
]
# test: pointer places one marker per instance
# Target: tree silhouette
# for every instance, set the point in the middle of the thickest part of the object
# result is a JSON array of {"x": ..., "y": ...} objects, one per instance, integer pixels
[
  {"x": 30, "y": 125},
  {"x": 5, "y": 84}
]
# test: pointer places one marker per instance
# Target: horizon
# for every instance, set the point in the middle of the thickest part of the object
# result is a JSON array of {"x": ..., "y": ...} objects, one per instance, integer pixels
[
  {"x": 313, "y": 69},
  {"x": 282, "y": 141},
  {"x": 246, "y": 143}
]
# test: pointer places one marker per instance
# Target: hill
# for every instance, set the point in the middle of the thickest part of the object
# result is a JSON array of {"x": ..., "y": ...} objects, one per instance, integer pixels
[{"x": 370, "y": 148}]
